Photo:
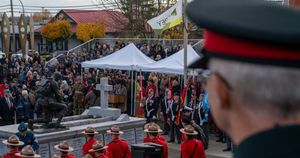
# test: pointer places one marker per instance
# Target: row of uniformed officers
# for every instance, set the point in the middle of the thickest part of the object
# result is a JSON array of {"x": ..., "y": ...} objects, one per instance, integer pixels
[{"x": 117, "y": 148}]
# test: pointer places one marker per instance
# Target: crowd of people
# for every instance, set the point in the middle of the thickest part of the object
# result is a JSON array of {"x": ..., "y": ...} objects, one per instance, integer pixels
[{"x": 160, "y": 97}]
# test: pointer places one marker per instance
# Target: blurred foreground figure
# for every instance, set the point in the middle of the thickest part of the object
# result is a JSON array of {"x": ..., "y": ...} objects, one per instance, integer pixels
[{"x": 252, "y": 49}]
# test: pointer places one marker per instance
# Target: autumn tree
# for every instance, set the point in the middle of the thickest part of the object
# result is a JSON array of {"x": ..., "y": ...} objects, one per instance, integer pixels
[
  {"x": 173, "y": 33},
  {"x": 135, "y": 11},
  {"x": 50, "y": 31},
  {"x": 177, "y": 32},
  {"x": 88, "y": 31},
  {"x": 58, "y": 30}
]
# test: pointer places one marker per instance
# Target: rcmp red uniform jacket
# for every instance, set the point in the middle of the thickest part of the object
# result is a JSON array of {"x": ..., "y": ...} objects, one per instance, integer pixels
[
  {"x": 67, "y": 156},
  {"x": 148, "y": 139},
  {"x": 189, "y": 149},
  {"x": 11, "y": 154},
  {"x": 118, "y": 148},
  {"x": 87, "y": 146},
  {"x": 160, "y": 142}
]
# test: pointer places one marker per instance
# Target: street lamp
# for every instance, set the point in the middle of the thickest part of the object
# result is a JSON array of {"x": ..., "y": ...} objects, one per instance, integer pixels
[
  {"x": 13, "y": 48},
  {"x": 23, "y": 10}
]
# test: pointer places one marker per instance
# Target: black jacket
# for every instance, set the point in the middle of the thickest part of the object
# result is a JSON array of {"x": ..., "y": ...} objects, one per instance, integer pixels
[
  {"x": 279, "y": 142},
  {"x": 7, "y": 114}
]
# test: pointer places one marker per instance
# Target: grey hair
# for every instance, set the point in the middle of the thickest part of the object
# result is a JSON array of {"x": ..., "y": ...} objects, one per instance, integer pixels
[{"x": 262, "y": 86}]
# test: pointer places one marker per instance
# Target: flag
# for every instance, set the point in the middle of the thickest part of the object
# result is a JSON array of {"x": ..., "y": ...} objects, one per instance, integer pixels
[
  {"x": 170, "y": 18},
  {"x": 183, "y": 94},
  {"x": 141, "y": 92}
]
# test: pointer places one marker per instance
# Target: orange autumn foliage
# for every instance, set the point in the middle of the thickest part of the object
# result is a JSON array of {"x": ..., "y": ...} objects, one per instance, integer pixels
[
  {"x": 88, "y": 31},
  {"x": 173, "y": 33},
  {"x": 57, "y": 30}
]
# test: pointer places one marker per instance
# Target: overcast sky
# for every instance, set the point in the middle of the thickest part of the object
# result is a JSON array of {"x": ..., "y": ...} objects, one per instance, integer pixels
[
  {"x": 44, "y": 3},
  {"x": 49, "y": 2}
]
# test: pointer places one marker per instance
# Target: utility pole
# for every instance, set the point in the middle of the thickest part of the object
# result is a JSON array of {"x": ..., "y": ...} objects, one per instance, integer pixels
[
  {"x": 13, "y": 48},
  {"x": 185, "y": 34},
  {"x": 185, "y": 37}
]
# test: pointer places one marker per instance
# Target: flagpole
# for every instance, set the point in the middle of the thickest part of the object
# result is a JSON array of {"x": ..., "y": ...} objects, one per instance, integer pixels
[{"x": 185, "y": 37}]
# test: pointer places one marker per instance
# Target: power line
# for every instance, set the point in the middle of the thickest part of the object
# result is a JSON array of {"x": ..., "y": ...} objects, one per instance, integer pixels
[
  {"x": 55, "y": 12},
  {"x": 78, "y": 6}
]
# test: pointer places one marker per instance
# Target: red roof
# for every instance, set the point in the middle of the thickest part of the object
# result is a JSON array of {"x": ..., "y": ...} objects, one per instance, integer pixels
[{"x": 115, "y": 21}]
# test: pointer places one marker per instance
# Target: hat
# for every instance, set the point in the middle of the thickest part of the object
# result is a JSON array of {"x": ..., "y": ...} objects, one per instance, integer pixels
[
  {"x": 152, "y": 128},
  {"x": 97, "y": 146},
  {"x": 63, "y": 146},
  {"x": 188, "y": 130},
  {"x": 27, "y": 152},
  {"x": 253, "y": 31},
  {"x": 115, "y": 130},
  {"x": 89, "y": 131},
  {"x": 6, "y": 91},
  {"x": 13, "y": 141},
  {"x": 22, "y": 127}
]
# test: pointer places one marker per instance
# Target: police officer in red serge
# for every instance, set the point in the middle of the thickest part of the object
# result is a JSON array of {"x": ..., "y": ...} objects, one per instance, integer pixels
[{"x": 252, "y": 50}]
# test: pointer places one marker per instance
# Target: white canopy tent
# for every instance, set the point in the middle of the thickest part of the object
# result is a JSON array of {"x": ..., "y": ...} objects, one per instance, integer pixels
[
  {"x": 127, "y": 58},
  {"x": 173, "y": 64}
]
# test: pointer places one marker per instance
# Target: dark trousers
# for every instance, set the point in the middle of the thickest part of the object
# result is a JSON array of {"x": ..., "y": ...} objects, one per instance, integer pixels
[
  {"x": 166, "y": 124},
  {"x": 150, "y": 117},
  {"x": 175, "y": 129},
  {"x": 205, "y": 128}
]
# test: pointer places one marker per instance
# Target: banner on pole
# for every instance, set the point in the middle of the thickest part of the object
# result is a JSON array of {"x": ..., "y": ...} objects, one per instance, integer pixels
[{"x": 170, "y": 18}]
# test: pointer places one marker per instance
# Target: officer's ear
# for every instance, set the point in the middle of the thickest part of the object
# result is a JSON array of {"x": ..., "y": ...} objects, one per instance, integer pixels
[{"x": 222, "y": 91}]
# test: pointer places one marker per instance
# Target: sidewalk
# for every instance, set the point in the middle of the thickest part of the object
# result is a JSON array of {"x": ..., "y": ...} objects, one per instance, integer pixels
[{"x": 214, "y": 150}]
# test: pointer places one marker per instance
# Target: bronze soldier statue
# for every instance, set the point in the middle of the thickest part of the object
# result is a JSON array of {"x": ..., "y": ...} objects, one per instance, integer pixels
[{"x": 49, "y": 101}]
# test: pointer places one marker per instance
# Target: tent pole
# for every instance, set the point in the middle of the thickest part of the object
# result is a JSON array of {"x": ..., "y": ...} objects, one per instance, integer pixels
[
  {"x": 131, "y": 99},
  {"x": 134, "y": 100}
]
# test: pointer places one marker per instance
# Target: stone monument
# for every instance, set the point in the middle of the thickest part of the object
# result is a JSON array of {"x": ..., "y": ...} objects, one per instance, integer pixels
[
  {"x": 103, "y": 110},
  {"x": 101, "y": 118}
]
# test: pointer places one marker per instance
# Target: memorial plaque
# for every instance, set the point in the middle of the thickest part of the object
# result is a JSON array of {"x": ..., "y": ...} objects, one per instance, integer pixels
[
  {"x": 107, "y": 138},
  {"x": 139, "y": 135},
  {"x": 3, "y": 148},
  {"x": 129, "y": 136},
  {"x": 44, "y": 150}
]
